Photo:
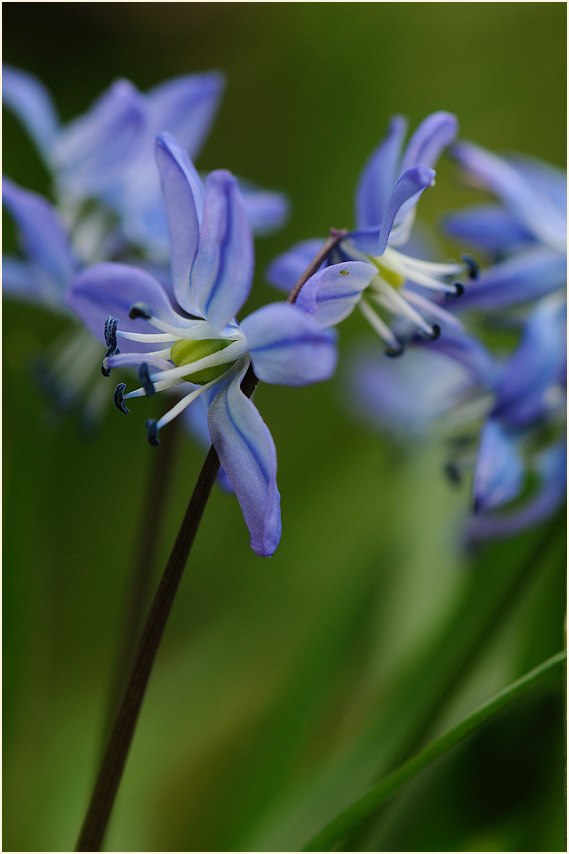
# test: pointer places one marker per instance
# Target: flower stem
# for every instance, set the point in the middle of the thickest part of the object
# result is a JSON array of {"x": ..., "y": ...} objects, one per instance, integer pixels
[
  {"x": 116, "y": 753},
  {"x": 350, "y": 818}
]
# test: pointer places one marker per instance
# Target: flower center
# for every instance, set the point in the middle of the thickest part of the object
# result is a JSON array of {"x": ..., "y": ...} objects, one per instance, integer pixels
[
  {"x": 396, "y": 280},
  {"x": 185, "y": 351}
]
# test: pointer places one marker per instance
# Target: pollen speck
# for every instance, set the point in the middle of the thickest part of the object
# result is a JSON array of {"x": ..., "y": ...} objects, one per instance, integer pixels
[{"x": 344, "y": 272}]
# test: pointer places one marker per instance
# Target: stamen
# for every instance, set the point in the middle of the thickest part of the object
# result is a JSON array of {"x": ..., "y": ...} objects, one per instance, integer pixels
[
  {"x": 118, "y": 398},
  {"x": 394, "y": 352},
  {"x": 435, "y": 332},
  {"x": 145, "y": 381},
  {"x": 378, "y": 325},
  {"x": 140, "y": 309},
  {"x": 111, "y": 324},
  {"x": 458, "y": 291},
  {"x": 471, "y": 265},
  {"x": 152, "y": 432}
]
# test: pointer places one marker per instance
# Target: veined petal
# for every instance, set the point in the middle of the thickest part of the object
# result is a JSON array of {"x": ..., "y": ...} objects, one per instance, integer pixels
[
  {"x": 402, "y": 198},
  {"x": 185, "y": 107},
  {"x": 526, "y": 276},
  {"x": 266, "y": 210},
  {"x": 44, "y": 238},
  {"x": 31, "y": 102},
  {"x": 94, "y": 151},
  {"x": 184, "y": 198},
  {"x": 488, "y": 227},
  {"x": 288, "y": 347},
  {"x": 430, "y": 139},
  {"x": 332, "y": 294},
  {"x": 111, "y": 289},
  {"x": 379, "y": 175},
  {"x": 286, "y": 270},
  {"x": 535, "y": 366},
  {"x": 247, "y": 453},
  {"x": 222, "y": 272},
  {"x": 499, "y": 471}
]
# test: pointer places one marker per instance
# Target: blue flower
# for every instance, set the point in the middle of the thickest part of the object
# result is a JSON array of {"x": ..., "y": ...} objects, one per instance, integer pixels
[
  {"x": 386, "y": 197},
  {"x": 200, "y": 343},
  {"x": 526, "y": 233}
]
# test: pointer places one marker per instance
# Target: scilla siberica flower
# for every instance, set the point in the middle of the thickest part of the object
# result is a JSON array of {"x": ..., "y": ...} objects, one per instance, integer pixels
[
  {"x": 386, "y": 198},
  {"x": 526, "y": 235},
  {"x": 201, "y": 344}
]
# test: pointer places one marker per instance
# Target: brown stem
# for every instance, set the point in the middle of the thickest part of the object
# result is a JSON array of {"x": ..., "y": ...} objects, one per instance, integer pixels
[{"x": 116, "y": 753}]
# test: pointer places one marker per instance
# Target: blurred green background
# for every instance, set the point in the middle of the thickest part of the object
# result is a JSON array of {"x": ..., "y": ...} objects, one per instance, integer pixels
[{"x": 283, "y": 686}]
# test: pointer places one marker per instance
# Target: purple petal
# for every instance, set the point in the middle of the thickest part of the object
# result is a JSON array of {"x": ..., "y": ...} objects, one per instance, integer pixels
[
  {"x": 222, "y": 272},
  {"x": 93, "y": 152},
  {"x": 111, "y": 289},
  {"x": 488, "y": 227},
  {"x": 543, "y": 177},
  {"x": 526, "y": 276},
  {"x": 31, "y": 102},
  {"x": 499, "y": 471},
  {"x": 430, "y": 139},
  {"x": 468, "y": 351},
  {"x": 22, "y": 281},
  {"x": 266, "y": 210},
  {"x": 288, "y": 347},
  {"x": 185, "y": 107},
  {"x": 332, "y": 294},
  {"x": 379, "y": 176},
  {"x": 247, "y": 453},
  {"x": 44, "y": 238},
  {"x": 195, "y": 421},
  {"x": 535, "y": 366},
  {"x": 403, "y": 197},
  {"x": 184, "y": 198},
  {"x": 286, "y": 270}
]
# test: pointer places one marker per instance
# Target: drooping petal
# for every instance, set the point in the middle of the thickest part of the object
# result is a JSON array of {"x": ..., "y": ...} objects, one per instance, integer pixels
[
  {"x": 44, "y": 238},
  {"x": 111, "y": 289},
  {"x": 533, "y": 208},
  {"x": 332, "y": 294},
  {"x": 430, "y": 139},
  {"x": 222, "y": 272},
  {"x": 247, "y": 453},
  {"x": 286, "y": 270},
  {"x": 184, "y": 198},
  {"x": 499, "y": 471},
  {"x": 31, "y": 102},
  {"x": 543, "y": 177},
  {"x": 288, "y": 347},
  {"x": 488, "y": 227},
  {"x": 194, "y": 418},
  {"x": 93, "y": 152},
  {"x": 536, "y": 365},
  {"x": 185, "y": 107},
  {"x": 266, "y": 210},
  {"x": 402, "y": 199},
  {"x": 379, "y": 176},
  {"x": 526, "y": 276}
]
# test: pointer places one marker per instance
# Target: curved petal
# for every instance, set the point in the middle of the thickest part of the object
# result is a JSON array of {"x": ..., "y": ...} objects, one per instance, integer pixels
[
  {"x": 222, "y": 272},
  {"x": 430, "y": 139},
  {"x": 194, "y": 418},
  {"x": 186, "y": 107},
  {"x": 531, "y": 206},
  {"x": 403, "y": 197},
  {"x": 44, "y": 238},
  {"x": 543, "y": 176},
  {"x": 488, "y": 227},
  {"x": 286, "y": 270},
  {"x": 536, "y": 365},
  {"x": 31, "y": 102},
  {"x": 526, "y": 276},
  {"x": 266, "y": 210},
  {"x": 247, "y": 453},
  {"x": 94, "y": 151},
  {"x": 111, "y": 289},
  {"x": 332, "y": 294},
  {"x": 499, "y": 471},
  {"x": 379, "y": 175},
  {"x": 288, "y": 347},
  {"x": 184, "y": 198}
]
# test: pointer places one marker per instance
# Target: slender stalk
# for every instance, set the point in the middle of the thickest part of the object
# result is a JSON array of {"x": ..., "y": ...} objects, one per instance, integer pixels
[
  {"x": 350, "y": 818},
  {"x": 115, "y": 756},
  {"x": 146, "y": 544}
]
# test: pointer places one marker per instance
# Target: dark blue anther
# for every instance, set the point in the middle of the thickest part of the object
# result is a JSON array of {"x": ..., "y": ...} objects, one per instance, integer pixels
[
  {"x": 394, "y": 352},
  {"x": 458, "y": 291},
  {"x": 111, "y": 324},
  {"x": 118, "y": 398},
  {"x": 145, "y": 381},
  {"x": 435, "y": 332},
  {"x": 152, "y": 432},
  {"x": 471, "y": 266},
  {"x": 140, "y": 309}
]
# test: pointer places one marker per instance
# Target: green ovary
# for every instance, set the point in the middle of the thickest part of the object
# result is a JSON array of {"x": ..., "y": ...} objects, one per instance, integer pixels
[
  {"x": 183, "y": 352},
  {"x": 391, "y": 277}
]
